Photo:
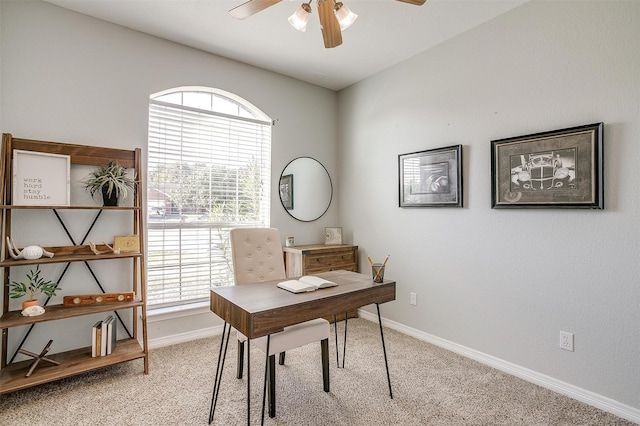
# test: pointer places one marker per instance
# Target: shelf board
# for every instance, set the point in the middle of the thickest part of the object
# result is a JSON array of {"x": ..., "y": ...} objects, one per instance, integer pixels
[
  {"x": 76, "y": 257},
  {"x": 58, "y": 312},
  {"x": 12, "y": 207},
  {"x": 12, "y": 377}
]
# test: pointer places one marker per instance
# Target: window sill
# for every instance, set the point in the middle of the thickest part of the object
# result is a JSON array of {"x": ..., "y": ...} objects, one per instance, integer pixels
[{"x": 163, "y": 314}]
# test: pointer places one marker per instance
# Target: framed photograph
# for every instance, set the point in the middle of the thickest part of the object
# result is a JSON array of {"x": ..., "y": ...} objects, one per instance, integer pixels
[
  {"x": 431, "y": 178},
  {"x": 333, "y": 235},
  {"x": 286, "y": 191},
  {"x": 556, "y": 169},
  {"x": 41, "y": 179}
]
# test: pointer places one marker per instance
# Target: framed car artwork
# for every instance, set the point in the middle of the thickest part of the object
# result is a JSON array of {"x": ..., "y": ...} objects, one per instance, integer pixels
[{"x": 557, "y": 169}]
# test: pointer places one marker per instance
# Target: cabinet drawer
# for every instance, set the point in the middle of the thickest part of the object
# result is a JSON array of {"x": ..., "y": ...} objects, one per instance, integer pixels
[{"x": 330, "y": 261}]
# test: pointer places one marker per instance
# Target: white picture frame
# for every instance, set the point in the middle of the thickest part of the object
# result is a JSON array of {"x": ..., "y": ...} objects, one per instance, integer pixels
[
  {"x": 41, "y": 179},
  {"x": 333, "y": 235}
]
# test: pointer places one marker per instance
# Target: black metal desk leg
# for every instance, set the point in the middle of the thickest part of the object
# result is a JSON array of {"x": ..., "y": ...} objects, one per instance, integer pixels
[
  {"x": 248, "y": 381},
  {"x": 384, "y": 350},
  {"x": 218, "y": 378},
  {"x": 264, "y": 388},
  {"x": 344, "y": 344},
  {"x": 335, "y": 329}
]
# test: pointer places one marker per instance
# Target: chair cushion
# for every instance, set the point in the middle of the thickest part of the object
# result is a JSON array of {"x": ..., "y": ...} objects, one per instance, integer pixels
[{"x": 293, "y": 336}]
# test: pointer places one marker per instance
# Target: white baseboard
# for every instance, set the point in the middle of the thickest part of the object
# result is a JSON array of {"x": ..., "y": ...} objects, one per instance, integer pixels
[
  {"x": 603, "y": 403},
  {"x": 174, "y": 339}
]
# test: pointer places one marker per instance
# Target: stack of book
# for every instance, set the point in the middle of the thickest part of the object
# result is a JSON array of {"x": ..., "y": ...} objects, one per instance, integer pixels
[{"x": 103, "y": 337}]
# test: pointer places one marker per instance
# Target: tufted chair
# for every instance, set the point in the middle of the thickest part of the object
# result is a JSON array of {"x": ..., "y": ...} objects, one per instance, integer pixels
[{"x": 257, "y": 256}]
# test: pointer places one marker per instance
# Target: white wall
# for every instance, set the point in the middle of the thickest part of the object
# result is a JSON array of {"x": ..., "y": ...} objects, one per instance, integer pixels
[
  {"x": 66, "y": 77},
  {"x": 505, "y": 282},
  {"x": 500, "y": 282}
]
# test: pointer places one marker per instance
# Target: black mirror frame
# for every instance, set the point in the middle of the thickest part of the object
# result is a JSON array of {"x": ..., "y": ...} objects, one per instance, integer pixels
[{"x": 287, "y": 209}]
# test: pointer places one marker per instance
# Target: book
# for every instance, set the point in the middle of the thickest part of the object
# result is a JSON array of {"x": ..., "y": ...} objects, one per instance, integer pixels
[
  {"x": 305, "y": 283},
  {"x": 111, "y": 334},
  {"x": 96, "y": 348},
  {"x": 95, "y": 338},
  {"x": 104, "y": 335}
]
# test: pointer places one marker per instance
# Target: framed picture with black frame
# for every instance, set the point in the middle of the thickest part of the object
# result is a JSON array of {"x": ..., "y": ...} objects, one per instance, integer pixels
[
  {"x": 286, "y": 191},
  {"x": 431, "y": 178},
  {"x": 556, "y": 169}
]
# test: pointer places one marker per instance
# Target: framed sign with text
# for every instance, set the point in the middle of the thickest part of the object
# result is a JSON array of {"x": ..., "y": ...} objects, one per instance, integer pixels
[{"x": 41, "y": 179}]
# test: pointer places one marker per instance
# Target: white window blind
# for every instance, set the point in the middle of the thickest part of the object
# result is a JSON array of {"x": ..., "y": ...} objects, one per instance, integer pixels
[{"x": 209, "y": 169}]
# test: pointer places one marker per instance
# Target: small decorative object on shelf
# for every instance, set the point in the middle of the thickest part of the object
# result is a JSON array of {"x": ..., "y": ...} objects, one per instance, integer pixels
[
  {"x": 112, "y": 182},
  {"x": 36, "y": 284},
  {"x": 29, "y": 252},
  {"x": 110, "y": 249},
  {"x": 333, "y": 235},
  {"x": 290, "y": 242},
  {"x": 32, "y": 311},
  {"x": 94, "y": 299},
  {"x": 127, "y": 244},
  {"x": 38, "y": 358}
]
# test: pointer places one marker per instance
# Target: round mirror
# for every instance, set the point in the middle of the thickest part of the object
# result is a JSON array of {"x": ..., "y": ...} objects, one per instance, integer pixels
[{"x": 305, "y": 189}]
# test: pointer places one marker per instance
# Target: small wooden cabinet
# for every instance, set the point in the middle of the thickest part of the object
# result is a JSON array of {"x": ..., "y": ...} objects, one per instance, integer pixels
[
  {"x": 316, "y": 258},
  {"x": 312, "y": 259}
]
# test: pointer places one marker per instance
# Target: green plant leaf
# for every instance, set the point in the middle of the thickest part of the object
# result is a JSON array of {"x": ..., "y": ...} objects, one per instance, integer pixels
[
  {"x": 36, "y": 284},
  {"x": 110, "y": 178}
]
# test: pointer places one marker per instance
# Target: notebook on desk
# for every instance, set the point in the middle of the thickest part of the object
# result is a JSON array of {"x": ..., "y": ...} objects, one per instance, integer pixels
[{"x": 305, "y": 283}]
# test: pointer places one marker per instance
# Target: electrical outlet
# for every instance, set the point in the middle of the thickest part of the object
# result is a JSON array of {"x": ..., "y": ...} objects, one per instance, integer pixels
[
  {"x": 413, "y": 299},
  {"x": 566, "y": 341}
]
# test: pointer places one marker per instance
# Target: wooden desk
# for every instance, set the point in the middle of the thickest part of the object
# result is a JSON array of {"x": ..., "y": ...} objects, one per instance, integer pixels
[
  {"x": 314, "y": 259},
  {"x": 262, "y": 309}
]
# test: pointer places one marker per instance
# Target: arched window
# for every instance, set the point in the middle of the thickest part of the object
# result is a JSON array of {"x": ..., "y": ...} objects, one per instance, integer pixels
[{"x": 209, "y": 170}]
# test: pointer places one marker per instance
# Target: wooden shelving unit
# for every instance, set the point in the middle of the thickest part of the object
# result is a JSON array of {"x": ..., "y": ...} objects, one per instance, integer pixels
[
  {"x": 71, "y": 363},
  {"x": 12, "y": 374}
]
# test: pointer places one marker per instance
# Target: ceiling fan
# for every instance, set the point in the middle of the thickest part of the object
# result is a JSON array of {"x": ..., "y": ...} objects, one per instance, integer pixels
[{"x": 334, "y": 16}]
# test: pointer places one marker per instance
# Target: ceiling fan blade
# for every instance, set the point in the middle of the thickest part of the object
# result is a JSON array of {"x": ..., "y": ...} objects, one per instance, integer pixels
[
  {"x": 331, "y": 32},
  {"x": 251, "y": 8},
  {"x": 416, "y": 2}
]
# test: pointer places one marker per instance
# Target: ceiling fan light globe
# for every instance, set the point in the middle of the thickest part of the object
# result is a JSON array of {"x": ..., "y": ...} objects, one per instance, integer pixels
[
  {"x": 345, "y": 16},
  {"x": 300, "y": 17}
]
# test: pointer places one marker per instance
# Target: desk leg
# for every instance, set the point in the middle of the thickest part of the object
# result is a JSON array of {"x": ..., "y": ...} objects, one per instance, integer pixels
[
  {"x": 248, "y": 381},
  {"x": 384, "y": 350},
  {"x": 344, "y": 344},
  {"x": 218, "y": 378},
  {"x": 335, "y": 329},
  {"x": 264, "y": 388}
]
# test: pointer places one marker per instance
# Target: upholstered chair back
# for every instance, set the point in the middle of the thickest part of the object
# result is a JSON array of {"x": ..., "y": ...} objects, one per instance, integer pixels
[{"x": 257, "y": 255}]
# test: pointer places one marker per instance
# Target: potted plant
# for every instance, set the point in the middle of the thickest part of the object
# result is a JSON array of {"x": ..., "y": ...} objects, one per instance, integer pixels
[
  {"x": 36, "y": 284},
  {"x": 111, "y": 181}
]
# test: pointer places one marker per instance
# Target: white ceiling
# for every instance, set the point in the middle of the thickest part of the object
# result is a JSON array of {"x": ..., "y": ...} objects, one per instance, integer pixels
[{"x": 386, "y": 32}]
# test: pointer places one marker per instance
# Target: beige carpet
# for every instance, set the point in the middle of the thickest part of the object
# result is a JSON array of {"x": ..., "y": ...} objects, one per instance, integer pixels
[{"x": 431, "y": 387}]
